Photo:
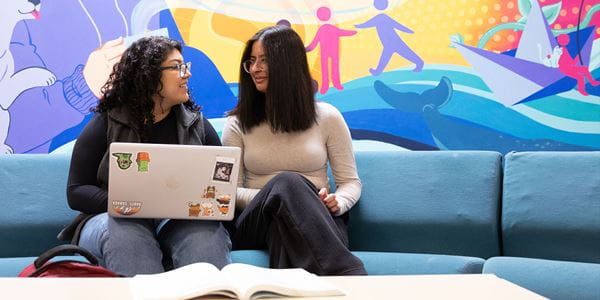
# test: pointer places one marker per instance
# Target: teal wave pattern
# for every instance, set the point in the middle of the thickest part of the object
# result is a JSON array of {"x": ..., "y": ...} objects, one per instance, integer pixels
[{"x": 568, "y": 117}]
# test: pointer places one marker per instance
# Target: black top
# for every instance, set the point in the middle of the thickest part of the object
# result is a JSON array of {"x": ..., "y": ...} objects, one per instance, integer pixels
[{"x": 83, "y": 190}]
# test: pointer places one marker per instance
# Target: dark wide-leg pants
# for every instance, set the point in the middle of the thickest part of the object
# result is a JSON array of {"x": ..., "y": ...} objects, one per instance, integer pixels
[{"x": 289, "y": 219}]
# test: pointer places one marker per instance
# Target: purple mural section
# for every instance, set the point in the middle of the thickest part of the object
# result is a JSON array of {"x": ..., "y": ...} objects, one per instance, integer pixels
[
  {"x": 61, "y": 54},
  {"x": 70, "y": 39}
]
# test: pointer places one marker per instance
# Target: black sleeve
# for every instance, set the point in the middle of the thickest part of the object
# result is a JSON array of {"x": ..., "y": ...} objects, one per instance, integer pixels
[
  {"x": 83, "y": 190},
  {"x": 210, "y": 135}
]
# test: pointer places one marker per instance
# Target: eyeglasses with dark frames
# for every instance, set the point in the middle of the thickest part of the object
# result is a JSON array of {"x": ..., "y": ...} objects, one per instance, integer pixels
[{"x": 182, "y": 68}]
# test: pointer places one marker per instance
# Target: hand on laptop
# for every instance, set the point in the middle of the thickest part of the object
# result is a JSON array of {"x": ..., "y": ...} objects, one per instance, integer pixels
[{"x": 329, "y": 200}]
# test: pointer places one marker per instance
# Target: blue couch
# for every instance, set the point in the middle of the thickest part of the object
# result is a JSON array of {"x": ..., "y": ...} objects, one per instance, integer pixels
[{"x": 532, "y": 218}]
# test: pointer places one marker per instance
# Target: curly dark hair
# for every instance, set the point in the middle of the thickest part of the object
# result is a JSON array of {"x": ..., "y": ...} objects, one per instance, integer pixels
[{"x": 135, "y": 79}]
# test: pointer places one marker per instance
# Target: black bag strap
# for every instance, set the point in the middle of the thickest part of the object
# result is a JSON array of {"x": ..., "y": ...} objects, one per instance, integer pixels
[
  {"x": 73, "y": 230},
  {"x": 64, "y": 250}
]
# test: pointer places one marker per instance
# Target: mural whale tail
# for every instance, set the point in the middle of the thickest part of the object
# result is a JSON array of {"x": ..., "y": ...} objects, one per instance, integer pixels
[
  {"x": 452, "y": 133},
  {"x": 415, "y": 102}
]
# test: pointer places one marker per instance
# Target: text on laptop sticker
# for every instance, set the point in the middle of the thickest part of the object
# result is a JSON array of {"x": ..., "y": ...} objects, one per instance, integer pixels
[{"x": 126, "y": 208}]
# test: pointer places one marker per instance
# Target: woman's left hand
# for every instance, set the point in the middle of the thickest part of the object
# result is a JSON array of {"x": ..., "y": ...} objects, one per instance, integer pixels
[{"x": 329, "y": 201}]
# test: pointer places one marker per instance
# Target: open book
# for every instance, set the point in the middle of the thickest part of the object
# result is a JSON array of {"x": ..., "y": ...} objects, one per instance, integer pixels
[{"x": 239, "y": 281}]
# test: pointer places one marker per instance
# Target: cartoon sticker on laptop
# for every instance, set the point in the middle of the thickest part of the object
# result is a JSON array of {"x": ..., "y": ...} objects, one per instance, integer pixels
[
  {"x": 209, "y": 192},
  {"x": 126, "y": 208},
  {"x": 223, "y": 168},
  {"x": 223, "y": 203},
  {"x": 123, "y": 160},
  {"x": 204, "y": 209},
  {"x": 143, "y": 161},
  {"x": 207, "y": 208},
  {"x": 194, "y": 209}
]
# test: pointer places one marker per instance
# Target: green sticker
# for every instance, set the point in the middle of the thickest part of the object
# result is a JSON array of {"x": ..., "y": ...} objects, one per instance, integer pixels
[
  {"x": 123, "y": 160},
  {"x": 143, "y": 161}
]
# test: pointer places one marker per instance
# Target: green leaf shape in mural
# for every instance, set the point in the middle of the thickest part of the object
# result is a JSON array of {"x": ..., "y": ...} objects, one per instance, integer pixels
[
  {"x": 456, "y": 38},
  {"x": 524, "y": 7},
  {"x": 550, "y": 12}
]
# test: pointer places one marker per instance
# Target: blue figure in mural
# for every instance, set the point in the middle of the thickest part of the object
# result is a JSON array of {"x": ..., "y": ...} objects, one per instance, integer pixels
[
  {"x": 391, "y": 42},
  {"x": 77, "y": 41}
]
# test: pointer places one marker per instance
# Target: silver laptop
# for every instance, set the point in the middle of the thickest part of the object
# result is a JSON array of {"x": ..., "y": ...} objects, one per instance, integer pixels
[{"x": 172, "y": 181}]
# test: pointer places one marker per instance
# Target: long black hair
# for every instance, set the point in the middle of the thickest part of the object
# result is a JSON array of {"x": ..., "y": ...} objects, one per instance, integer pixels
[
  {"x": 288, "y": 104},
  {"x": 135, "y": 79}
]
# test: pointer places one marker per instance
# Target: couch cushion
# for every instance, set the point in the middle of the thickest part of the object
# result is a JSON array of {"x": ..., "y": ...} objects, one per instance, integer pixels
[
  {"x": 253, "y": 257},
  {"x": 439, "y": 202},
  {"x": 550, "y": 278},
  {"x": 388, "y": 263},
  {"x": 34, "y": 204},
  {"x": 551, "y": 205}
]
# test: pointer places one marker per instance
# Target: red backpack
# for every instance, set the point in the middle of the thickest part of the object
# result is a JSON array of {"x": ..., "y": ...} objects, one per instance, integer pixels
[{"x": 42, "y": 267}]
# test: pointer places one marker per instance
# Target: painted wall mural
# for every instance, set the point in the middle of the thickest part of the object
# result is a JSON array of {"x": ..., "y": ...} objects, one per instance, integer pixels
[{"x": 510, "y": 75}]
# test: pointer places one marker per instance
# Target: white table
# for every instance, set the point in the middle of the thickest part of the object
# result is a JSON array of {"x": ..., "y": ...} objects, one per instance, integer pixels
[{"x": 476, "y": 286}]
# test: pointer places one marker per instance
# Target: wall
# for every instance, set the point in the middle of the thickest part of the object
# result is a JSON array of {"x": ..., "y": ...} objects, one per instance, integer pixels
[{"x": 413, "y": 74}]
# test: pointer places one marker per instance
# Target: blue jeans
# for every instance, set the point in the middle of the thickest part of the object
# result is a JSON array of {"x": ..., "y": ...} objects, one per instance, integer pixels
[{"x": 136, "y": 246}]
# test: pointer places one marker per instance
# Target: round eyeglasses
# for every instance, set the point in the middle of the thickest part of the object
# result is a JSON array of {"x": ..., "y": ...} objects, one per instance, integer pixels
[
  {"x": 182, "y": 68},
  {"x": 249, "y": 63}
]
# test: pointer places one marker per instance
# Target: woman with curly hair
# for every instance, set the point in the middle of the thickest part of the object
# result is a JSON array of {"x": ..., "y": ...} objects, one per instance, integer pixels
[
  {"x": 287, "y": 140},
  {"x": 145, "y": 100}
]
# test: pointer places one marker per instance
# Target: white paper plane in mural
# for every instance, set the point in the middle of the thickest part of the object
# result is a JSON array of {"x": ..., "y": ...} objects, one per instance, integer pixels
[{"x": 524, "y": 74}]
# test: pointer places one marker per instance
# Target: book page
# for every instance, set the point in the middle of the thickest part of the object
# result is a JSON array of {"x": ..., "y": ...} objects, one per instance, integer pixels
[
  {"x": 183, "y": 283},
  {"x": 256, "y": 282}
]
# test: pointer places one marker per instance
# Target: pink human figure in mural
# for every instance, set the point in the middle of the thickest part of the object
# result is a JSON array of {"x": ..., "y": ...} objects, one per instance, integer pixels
[
  {"x": 569, "y": 66},
  {"x": 328, "y": 36}
]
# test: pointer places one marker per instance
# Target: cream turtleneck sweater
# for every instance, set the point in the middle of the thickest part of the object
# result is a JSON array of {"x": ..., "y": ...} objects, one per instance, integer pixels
[{"x": 266, "y": 154}]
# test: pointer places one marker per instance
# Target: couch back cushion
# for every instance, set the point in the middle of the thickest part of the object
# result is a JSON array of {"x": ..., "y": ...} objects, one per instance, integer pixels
[
  {"x": 33, "y": 199},
  {"x": 551, "y": 205},
  {"x": 442, "y": 202}
]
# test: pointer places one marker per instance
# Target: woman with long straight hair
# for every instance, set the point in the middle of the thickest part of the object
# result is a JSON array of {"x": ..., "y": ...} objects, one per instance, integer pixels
[{"x": 287, "y": 140}]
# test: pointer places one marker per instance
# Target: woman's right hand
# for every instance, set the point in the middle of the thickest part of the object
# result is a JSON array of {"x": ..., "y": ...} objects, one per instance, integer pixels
[{"x": 329, "y": 200}]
